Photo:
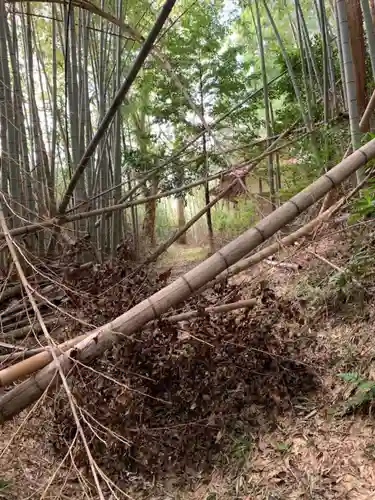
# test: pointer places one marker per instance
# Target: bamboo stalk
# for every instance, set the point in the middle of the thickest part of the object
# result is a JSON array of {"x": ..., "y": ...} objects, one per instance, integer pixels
[
  {"x": 59, "y": 221},
  {"x": 97, "y": 341},
  {"x": 254, "y": 259},
  {"x": 350, "y": 79},
  {"x": 223, "y": 308},
  {"x": 21, "y": 354},
  {"x": 28, "y": 366},
  {"x": 364, "y": 124}
]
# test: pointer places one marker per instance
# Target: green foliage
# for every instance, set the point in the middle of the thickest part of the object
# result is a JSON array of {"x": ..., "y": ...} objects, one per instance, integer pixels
[
  {"x": 232, "y": 222},
  {"x": 360, "y": 262},
  {"x": 296, "y": 177},
  {"x": 364, "y": 206},
  {"x": 283, "y": 447},
  {"x": 364, "y": 391},
  {"x": 4, "y": 484},
  {"x": 338, "y": 288},
  {"x": 241, "y": 448},
  {"x": 165, "y": 223},
  {"x": 210, "y": 69}
]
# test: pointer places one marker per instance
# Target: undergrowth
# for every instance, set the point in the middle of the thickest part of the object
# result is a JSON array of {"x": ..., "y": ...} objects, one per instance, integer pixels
[
  {"x": 346, "y": 285},
  {"x": 230, "y": 223},
  {"x": 363, "y": 392}
]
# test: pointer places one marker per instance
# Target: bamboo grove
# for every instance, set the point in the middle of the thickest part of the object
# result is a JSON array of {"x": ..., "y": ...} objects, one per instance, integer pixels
[
  {"x": 97, "y": 119},
  {"x": 104, "y": 111}
]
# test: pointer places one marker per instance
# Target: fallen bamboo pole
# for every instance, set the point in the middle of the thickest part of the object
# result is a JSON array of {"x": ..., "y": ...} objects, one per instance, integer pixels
[
  {"x": 21, "y": 354},
  {"x": 27, "y": 366},
  {"x": 43, "y": 356},
  {"x": 223, "y": 308},
  {"x": 97, "y": 341},
  {"x": 269, "y": 250}
]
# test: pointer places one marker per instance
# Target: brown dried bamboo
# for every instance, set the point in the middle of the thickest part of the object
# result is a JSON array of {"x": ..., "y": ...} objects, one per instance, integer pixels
[
  {"x": 96, "y": 342},
  {"x": 21, "y": 354},
  {"x": 28, "y": 366}
]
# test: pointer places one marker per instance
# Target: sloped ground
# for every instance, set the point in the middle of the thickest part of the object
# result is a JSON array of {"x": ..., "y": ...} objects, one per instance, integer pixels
[
  {"x": 316, "y": 449},
  {"x": 273, "y": 426}
]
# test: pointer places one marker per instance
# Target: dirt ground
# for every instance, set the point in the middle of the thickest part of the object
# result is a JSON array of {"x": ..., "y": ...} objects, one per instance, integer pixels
[{"x": 313, "y": 450}]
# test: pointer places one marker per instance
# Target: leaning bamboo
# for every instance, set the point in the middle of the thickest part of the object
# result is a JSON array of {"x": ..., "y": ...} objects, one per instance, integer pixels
[
  {"x": 96, "y": 342},
  {"x": 59, "y": 221},
  {"x": 364, "y": 124},
  {"x": 288, "y": 240},
  {"x": 117, "y": 101}
]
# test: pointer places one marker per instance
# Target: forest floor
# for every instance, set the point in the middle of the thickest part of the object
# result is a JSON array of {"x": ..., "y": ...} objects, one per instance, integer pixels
[
  {"x": 323, "y": 446},
  {"x": 313, "y": 438}
]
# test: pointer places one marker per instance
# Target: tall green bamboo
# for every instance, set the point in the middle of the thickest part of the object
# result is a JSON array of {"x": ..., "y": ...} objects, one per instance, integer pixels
[
  {"x": 370, "y": 33},
  {"x": 350, "y": 83},
  {"x": 267, "y": 104}
]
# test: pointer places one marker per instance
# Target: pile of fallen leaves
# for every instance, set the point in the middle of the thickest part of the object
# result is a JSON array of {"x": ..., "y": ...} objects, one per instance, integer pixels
[
  {"x": 176, "y": 396},
  {"x": 102, "y": 292}
]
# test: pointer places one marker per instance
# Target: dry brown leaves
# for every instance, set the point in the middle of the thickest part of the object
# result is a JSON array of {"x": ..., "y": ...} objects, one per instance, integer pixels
[{"x": 186, "y": 391}]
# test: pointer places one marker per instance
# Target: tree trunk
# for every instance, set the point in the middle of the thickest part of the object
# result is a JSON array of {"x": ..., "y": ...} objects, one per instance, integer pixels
[
  {"x": 150, "y": 214},
  {"x": 357, "y": 44},
  {"x": 181, "y": 219}
]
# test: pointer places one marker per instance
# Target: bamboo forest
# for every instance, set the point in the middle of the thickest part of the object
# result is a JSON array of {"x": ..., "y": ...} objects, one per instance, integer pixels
[{"x": 187, "y": 208}]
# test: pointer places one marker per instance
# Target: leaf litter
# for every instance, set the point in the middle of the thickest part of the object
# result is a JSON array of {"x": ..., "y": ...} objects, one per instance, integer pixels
[
  {"x": 175, "y": 398},
  {"x": 227, "y": 406}
]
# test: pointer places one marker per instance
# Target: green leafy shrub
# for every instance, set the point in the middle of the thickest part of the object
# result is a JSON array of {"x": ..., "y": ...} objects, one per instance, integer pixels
[
  {"x": 230, "y": 222},
  {"x": 364, "y": 206},
  {"x": 364, "y": 391}
]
